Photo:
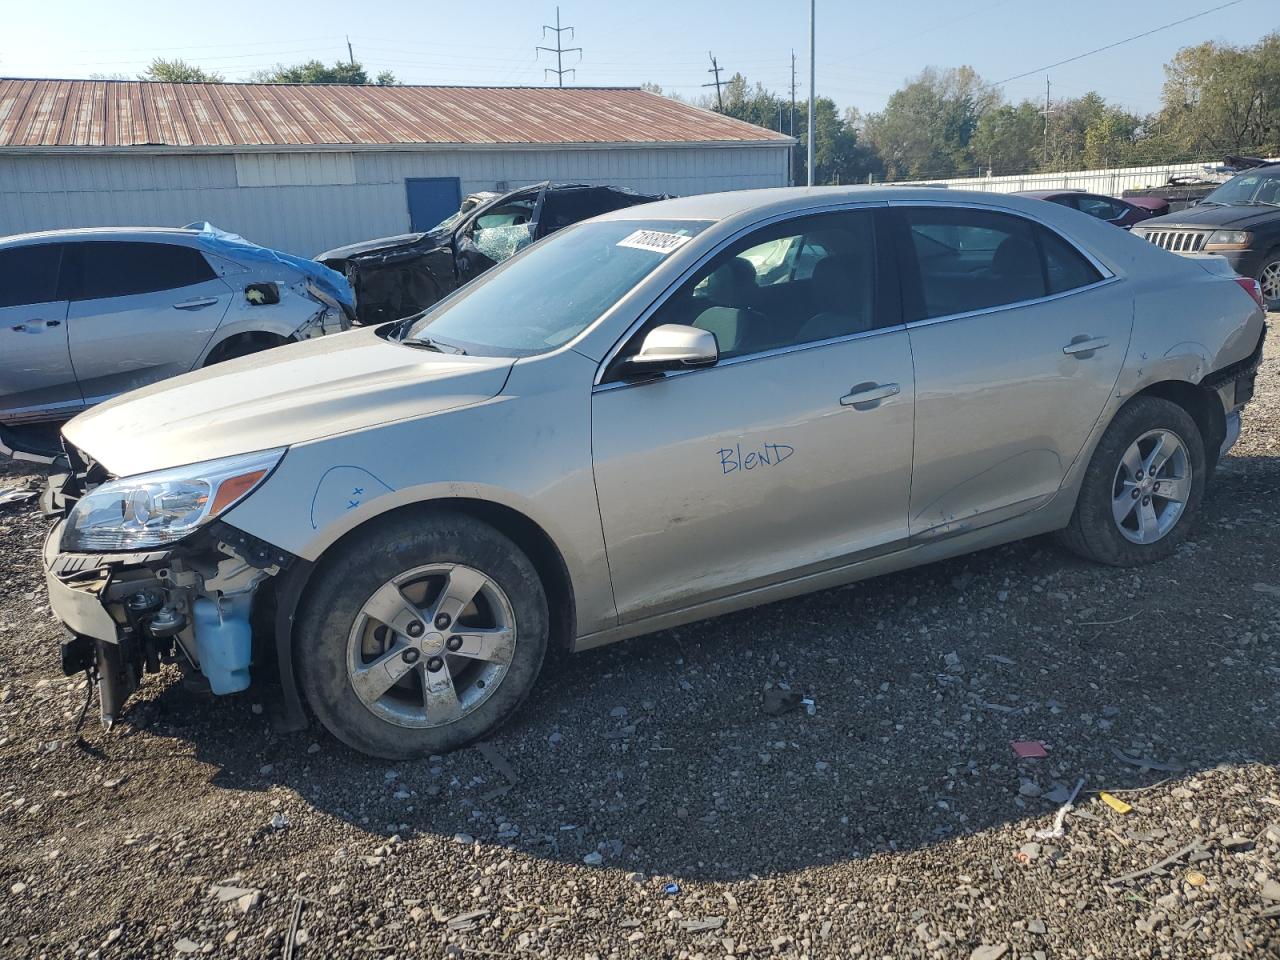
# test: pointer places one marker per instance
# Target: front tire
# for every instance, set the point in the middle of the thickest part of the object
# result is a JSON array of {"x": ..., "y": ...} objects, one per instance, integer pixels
[
  {"x": 1142, "y": 488},
  {"x": 1269, "y": 280},
  {"x": 421, "y": 636}
]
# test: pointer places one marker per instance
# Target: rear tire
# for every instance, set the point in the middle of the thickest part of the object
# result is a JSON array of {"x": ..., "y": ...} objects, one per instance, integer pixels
[
  {"x": 441, "y": 699},
  {"x": 1123, "y": 516}
]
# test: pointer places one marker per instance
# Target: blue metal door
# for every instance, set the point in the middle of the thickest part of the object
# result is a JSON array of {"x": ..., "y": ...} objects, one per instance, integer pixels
[{"x": 431, "y": 199}]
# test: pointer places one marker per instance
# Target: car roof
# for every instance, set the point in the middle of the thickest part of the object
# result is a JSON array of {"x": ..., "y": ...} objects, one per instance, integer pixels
[
  {"x": 181, "y": 235},
  {"x": 771, "y": 201}
]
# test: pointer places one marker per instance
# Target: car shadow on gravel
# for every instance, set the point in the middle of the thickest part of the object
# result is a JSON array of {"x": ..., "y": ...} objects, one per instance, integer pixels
[{"x": 657, "y": 756}]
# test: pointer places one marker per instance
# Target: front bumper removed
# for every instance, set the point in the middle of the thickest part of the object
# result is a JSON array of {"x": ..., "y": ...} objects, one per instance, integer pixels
[{"x": 191, "y": 604}]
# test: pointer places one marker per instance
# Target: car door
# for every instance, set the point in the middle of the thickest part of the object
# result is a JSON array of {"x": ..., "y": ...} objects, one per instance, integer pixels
[
  {"x": 139, "y": 312},
  {"x": 1018, "y": 338},
  {"x": 791, "y": 455},
  {"x": 36, "y": 377},
  {"x": 497, "y": 232}
]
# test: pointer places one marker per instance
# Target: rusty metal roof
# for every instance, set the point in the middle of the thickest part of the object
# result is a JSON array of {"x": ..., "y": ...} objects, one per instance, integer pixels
[{"x": 130, "y": 113}]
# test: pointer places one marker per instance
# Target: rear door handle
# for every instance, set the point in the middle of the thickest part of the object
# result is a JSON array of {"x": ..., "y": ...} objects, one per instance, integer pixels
[
  {"x": 867, "y": 396},
  {"x": 1084, "y": 347},
  {"x": 195, "y": 304}
]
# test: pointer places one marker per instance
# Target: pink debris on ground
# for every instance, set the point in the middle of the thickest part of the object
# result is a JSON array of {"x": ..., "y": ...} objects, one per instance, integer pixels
[{"x": 1027, "y": 749}]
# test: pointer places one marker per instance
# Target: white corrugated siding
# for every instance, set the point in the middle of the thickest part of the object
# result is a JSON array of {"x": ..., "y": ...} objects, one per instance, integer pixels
[{"x": 303, "y": 203}]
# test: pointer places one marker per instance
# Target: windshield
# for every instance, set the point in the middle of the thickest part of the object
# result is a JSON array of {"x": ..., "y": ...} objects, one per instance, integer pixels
[
  {"x": 550, "y": 293},
  {"x": 1252, "y": 187}
]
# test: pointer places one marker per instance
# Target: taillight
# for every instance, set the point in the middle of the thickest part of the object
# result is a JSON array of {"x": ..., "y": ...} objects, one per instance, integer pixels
[{"x": 1250, "y": 286}]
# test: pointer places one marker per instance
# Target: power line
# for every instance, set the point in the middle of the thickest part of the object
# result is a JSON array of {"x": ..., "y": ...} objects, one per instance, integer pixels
[
  {"x": 1112, "y": 46},
  {"x": 715, "y": 68},
  {"x": 559, "y": 51}
]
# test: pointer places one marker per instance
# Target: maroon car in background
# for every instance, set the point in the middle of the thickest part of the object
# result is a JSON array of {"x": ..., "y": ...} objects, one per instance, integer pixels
[{"x": 1123, "y": 213}]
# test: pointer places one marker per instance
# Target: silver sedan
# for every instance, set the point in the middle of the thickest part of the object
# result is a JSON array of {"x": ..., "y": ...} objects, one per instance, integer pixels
[{"x": 670, "y": 412}]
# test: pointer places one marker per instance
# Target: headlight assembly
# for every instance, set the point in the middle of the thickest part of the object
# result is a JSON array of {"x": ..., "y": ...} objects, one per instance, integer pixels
[
  {"x": 153, "y": 509},
  {"x": 1228, "y": 240}
]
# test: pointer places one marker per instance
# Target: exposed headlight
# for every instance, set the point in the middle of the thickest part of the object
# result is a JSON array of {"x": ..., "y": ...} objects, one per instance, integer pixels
[
  {"x": 154, "y": 509},
  {"x": 1228, "y": 240},
  {"x": 1139, "y": 232}
]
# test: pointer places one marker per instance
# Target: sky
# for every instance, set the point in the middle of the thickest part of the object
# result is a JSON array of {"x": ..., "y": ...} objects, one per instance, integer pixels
[{"x": 864, "y": 50}]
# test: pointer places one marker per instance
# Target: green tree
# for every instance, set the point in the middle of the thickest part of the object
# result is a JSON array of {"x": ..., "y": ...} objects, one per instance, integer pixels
[
  {"x": 178, "y": 71},
  {"x": 314, "y": 71},
  {"x": 1222, "y": 99},
  {"x": 1007, "y": 139},
  {"x": 925, "y": 129}
]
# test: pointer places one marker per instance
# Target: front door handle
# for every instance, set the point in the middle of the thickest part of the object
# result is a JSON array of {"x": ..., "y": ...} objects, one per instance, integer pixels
[
  {"x": 1084, "y": 347},
  {"x": 35, "y": 325},
  {"x": 196, "y": 304},
  {"x": 867, "y": 396}
]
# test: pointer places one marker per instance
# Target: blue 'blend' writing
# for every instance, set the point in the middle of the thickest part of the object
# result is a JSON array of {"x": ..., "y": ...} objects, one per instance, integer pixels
[{"x": 769, "y": 455}]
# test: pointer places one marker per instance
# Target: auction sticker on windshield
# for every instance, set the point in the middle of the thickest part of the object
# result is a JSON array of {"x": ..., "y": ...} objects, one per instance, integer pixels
[{"x": 655, "y": 240}]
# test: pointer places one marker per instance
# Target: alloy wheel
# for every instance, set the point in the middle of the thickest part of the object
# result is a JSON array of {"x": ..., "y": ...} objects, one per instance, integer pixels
[
  {"x": 1151, "y": 487},
  {"x": 431, "y": 645},
  {"x": 1269, "y": 281}
]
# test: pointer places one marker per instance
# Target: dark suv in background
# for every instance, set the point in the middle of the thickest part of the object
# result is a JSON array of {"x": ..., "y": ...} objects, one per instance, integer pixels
[{"x": 1240, "y": 221}]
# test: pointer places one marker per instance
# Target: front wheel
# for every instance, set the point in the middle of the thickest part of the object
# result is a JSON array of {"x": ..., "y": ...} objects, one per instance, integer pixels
[
  {"x": 1269, "y": 280},
  {"x": 1142, "y": 488},
  {"x": 421, "y": 636}
]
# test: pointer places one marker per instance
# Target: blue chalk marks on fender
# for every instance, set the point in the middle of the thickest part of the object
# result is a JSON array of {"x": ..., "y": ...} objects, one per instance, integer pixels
[
  {"x": 342, "y": 489},
  {"x": 732, "y": 459}
]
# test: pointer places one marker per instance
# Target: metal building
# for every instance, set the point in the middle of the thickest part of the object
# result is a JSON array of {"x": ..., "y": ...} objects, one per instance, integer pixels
[{"x": 305, "y": 167}]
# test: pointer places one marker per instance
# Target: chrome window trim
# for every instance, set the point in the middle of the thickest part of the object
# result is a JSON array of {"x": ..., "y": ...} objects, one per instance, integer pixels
[
  {"x": 929, "y": 321},
  {"x": 715, "y": 251},
  {"x": 750, "y": 357}
]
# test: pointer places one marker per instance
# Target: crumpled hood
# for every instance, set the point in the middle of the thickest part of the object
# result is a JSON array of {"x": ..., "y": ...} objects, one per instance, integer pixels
[
  {"x": 1236, "y": 217},
  {"x": 404, "y": 241},
  {"x": 287, "y": 395}
]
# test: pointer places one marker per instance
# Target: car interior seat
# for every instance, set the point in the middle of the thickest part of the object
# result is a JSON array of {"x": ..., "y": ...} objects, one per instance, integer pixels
[
  {"x": 842, "y": 295},
  {"x": 734, "y": 321},
  {"x": 1016, "y": 267}
]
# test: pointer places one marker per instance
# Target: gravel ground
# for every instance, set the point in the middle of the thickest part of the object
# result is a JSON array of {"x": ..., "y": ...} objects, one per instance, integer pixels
[{"x": 643, "y": 804}]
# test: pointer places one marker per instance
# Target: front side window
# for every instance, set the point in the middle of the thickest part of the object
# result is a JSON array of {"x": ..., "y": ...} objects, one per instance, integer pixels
[
  {"x": 549, "y": 294},
  {"x": 969, "y": 260},
  {"x": 102, "y": 269},
  {"x": 791, "y": 283},
  {"x": 29, "y": 275}
]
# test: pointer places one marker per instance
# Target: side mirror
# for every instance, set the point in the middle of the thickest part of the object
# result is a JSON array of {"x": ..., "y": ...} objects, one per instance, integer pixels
[{"x": 674, "y": 346}]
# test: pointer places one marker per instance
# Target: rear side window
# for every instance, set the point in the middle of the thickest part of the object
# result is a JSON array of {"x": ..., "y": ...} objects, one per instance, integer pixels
[
  {"x": 971, "y": 260},
  {"x": 1065, "y": 267},
  {"x": 1101, "y": 207},
  {"x": 98, "y": 270},
  {"x": 29, "y": 274}
]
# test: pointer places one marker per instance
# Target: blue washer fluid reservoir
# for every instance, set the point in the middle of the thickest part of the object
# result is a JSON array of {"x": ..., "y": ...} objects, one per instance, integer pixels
[{"x": 223, "y": 642}]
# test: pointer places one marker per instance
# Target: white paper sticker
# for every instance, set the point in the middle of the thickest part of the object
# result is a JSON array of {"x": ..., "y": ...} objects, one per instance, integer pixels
[{"x": 654, "y": 240}]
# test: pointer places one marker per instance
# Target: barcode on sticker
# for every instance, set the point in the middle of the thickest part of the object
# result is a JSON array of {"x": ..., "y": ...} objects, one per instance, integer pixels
[{"x": 655, "y": 240}]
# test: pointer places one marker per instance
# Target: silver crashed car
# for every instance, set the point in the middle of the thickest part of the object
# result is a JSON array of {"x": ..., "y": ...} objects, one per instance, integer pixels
[
  {"x": 664, "y": 413},
  {"x": 89, "y": 314}
]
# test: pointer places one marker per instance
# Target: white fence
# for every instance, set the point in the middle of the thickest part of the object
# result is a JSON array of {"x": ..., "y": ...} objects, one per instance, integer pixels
[{"x": 1109, "y": 182}]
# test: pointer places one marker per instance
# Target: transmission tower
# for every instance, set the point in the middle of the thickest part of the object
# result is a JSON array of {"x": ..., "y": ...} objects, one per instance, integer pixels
[{"x": 559, "y": 69}]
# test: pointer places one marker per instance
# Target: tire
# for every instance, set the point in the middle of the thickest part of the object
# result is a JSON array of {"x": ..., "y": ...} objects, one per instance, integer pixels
[
  {"x": 333, "y": 645},
  {"x": 1094, "y": 532},
  {"x": 1269, "y": 279}
]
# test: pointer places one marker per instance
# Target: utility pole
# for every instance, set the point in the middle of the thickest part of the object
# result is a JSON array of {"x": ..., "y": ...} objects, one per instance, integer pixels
[
  {"x": 813, "y": 75},
  {"x": 791, "y": 128},
  {"x": 715, "y": 69},
  {"x": 1044, "y": 163},
  {"x": 351, "y": 57},
  {"x": 559, "y": 51}
]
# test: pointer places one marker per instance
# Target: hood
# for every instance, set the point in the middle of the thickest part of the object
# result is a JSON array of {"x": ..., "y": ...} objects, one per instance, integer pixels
[
  {"x": 1238, "y": 217},
  {"x": 279, "y": 397},
  {"x": 383, "y": 245}
]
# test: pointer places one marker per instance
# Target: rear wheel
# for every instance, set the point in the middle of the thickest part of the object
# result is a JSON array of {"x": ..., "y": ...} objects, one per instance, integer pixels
[
  {"x": 422, "y": 637},
  {"x": 1142, "y": 488}
]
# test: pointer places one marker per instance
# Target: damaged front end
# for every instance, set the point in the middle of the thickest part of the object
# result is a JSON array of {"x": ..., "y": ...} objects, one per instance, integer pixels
[{"x": 141, "y": 572}]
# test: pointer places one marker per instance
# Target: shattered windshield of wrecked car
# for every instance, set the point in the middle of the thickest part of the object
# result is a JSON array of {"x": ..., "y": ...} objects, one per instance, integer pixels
[{"x": 551, "y": 292}]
